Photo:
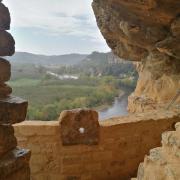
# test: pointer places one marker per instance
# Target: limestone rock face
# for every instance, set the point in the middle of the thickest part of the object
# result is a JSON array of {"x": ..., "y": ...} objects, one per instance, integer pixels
[
  {"x": 175, "y": 27},
  {"x": 135, "y": 26},
  {"x": 147, "y": 31},
  {"x": 170, "y": 46},
  {"x": 163, "y": 162},
  {"x": 159, "y": 81},
  {"x": 79, "y": 126}
]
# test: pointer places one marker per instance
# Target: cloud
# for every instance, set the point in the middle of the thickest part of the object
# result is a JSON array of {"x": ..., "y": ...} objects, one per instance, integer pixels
[
  {"x": 63, "y": 21},
  {"x": 74, "y": 17}
]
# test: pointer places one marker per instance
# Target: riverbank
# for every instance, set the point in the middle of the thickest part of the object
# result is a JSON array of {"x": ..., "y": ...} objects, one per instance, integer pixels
[
  {"x": 106, "y": 106},
  {"x": 118, "y": 107}
]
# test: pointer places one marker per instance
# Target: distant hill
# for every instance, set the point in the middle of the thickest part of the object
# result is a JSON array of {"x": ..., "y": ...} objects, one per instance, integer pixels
[
  {"x": 34, "y": 66},
  {"x": 29, "y": 58},
  {"x": 95, "y": 59},
  {"x": 98, "y": 63},
  {"x": 102, "y": 58}
]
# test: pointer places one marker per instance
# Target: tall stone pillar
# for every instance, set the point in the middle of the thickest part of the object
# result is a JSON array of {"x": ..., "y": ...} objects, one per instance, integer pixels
[{"x": 14, "y": 162}]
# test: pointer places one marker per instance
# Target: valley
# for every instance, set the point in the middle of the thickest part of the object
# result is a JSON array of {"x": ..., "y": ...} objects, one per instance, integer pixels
[{"x": 94, "y": 82}]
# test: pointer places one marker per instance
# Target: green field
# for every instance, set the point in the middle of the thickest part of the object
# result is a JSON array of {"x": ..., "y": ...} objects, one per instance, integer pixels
[
  {"x": 24, "y": 82},
  {"x": 47, "y": 99},
  {"x": 98, "y": 84}
]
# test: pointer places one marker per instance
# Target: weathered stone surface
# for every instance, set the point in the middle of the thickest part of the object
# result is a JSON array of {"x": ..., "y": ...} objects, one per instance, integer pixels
[
  {"x": 170, "y": 46},
  {"x": 163, "y": 162},
  {"x": 136, "y": 30},
  {"x": 4, "y": 17},
  {"x": 22, "y": 174},
  {"x": 5, "y": 90},
  {"x": 5, "y": 70},
  {"x": 140, "y": 24},
  {"x": 7, "y": 139},
  {"x": 175, "y": 27},
  {"x": 7, "y": 44},
  {"x": 12, "y": 110},
  {"x": 13, "y": 162},
  {"x": 159, "y": 81},
  {"x": 128, "y": 51},
  {"x": 79, "y": 126},
  {"x": 140, "y": 103}
]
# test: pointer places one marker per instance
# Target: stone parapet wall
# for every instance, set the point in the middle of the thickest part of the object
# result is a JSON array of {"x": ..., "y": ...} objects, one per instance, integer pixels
[{"x": 123, "y": 143}]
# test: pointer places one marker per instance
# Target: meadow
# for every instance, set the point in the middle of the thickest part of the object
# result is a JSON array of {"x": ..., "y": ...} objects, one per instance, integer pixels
[
  {"x": 48, "y": 98},
  {"x": 99, "y": 82}
]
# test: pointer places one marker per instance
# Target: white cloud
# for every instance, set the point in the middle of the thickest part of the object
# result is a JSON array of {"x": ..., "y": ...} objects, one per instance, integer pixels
[
  {"x": 74, "y": 17},
  {"x": 65, "y": 20}
]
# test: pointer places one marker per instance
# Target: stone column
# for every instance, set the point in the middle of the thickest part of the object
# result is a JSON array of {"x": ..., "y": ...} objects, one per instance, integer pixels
[{"x": 14, "y": 162}]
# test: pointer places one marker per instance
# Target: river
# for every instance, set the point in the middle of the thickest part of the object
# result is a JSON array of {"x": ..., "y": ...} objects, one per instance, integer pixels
[
  {"x": 118, "y": 108},
  {"x": 62, "y": 77}
]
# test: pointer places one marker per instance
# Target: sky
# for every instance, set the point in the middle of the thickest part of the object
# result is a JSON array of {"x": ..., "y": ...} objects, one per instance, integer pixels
[{"x": 55, "y": 27}]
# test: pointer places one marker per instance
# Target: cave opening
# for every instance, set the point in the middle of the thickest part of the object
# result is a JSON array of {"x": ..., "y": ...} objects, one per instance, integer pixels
[
  {"x": 78, "y": 146},
  {"x": 76, "y": 76}
]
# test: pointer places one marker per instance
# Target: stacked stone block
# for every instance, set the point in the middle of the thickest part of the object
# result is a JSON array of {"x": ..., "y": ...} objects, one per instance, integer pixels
[{"x": 14, "y": 162}]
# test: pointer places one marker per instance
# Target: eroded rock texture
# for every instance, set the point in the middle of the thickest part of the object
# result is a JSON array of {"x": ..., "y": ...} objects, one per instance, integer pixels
[
  {"x": 159, "y": 81},
  {"x": 147, "y": 31},
  {"x": 163, "y": 162}
]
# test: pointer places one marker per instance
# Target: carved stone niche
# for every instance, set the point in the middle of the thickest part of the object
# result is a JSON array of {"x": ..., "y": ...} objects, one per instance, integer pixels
[{"x": 79, "y": 126}]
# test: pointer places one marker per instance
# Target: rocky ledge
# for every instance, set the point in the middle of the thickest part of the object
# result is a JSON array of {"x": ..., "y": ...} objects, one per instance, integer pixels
[{"x": 146, "y": 31}]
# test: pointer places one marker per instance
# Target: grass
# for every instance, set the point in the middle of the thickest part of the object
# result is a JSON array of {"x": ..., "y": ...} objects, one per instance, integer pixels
[
  {"x": 24, "y": 82},
  {"x": 38, "y": 94},
  {"x": 48, "y": 98}
]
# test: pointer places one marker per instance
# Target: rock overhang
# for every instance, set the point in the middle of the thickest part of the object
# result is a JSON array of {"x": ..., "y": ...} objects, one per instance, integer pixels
[{"x": 132, "y": 29}]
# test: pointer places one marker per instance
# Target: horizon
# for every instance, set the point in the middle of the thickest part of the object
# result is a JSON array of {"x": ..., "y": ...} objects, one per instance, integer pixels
[
  {"x": 60, "y": 54},
  {"x": 55, "y": 28}
]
